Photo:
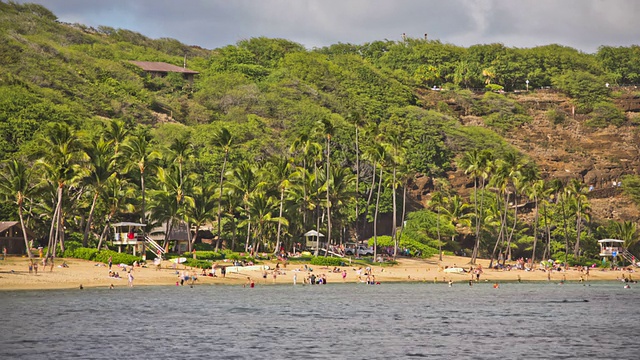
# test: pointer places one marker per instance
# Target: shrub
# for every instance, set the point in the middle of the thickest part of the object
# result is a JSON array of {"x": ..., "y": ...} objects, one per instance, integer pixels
[
  {"x": 418, "y": 249},
  {"x": 556, "y": 116},
  {"x": 326, "y": 261},
  {"x": 116, "y": 257},
  {"x": 383, "y": 241},
  {"x": 605, "y": 114},
  {"x": 200, "y": 264},
  {"x": 208, "y": 255},
  {"x": 83, "y": 253}
]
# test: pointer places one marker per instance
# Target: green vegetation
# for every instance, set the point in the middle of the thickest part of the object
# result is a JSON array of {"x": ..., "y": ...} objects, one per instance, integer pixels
[{"x": 271, "y": 140}]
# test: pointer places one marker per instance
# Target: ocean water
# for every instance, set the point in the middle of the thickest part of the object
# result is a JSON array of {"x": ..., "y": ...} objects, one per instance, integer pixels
[{"x": 333, "y": 321}]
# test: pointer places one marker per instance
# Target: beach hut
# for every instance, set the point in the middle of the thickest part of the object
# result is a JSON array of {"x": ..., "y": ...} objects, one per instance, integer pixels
[{"x": 11, "y": 237}]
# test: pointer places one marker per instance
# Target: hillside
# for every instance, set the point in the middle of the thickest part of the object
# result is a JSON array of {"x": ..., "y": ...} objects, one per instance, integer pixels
[{"x": 418, "y": 108}]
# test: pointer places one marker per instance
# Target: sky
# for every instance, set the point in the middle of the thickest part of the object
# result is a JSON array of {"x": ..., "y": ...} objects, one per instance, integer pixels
[{"x": 581, "y": 24}]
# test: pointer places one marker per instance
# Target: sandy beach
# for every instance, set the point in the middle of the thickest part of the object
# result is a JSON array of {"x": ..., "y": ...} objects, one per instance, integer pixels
[{"x": 14, "y": 274}]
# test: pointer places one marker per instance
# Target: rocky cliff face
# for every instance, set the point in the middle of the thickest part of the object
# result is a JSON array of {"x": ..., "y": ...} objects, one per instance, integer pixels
[{"x": 570, "y": 149}]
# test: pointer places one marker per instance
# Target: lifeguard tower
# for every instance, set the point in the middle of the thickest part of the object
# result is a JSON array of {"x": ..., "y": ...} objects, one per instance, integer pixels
[
  {"x": 615, "y": 248},
  {"x": 130, "y": 233}
]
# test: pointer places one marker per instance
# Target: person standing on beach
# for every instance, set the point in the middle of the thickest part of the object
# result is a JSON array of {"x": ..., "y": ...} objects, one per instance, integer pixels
[
  {"x": 110, "y": 262},
  {"x": 4, "y": 253},
  {"x": 130, "y": 278},
  {"x": 295, "y": 278}
]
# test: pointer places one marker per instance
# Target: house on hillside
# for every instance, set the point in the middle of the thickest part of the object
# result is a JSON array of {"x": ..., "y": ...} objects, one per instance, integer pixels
[
  {"x": 11, "y": 237},
  {"x": 161, "y": 69}
]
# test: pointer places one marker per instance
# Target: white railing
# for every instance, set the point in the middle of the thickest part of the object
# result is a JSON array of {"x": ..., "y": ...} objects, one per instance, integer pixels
[{"x": 154, "y": 245}]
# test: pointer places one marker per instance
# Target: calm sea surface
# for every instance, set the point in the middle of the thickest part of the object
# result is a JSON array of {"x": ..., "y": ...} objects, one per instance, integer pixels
[{"x": 334, "y": 321}]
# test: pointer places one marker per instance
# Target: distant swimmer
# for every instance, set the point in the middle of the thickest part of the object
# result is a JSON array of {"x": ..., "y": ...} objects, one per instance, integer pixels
[
  {"x": 627, "y": 286},
  {"x": 496, "y": 286},
  {"x": 450, "y": 283}
]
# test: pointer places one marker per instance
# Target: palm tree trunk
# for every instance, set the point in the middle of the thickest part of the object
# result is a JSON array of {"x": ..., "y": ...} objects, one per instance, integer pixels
[
  {"x": 373, "y": 184},
  {"x": 576, "y": 248},
  {"x": 357, "y": 235},
  {"x": 515, "y": 221},
  {"x": 566, "y": 234},
  {"x": 404, "y": 211},
  {"x": 375, "y": 218},
  {"x": 85, "y": 238},
  {"x": 104, "y": 231},
  {"x": 246, "y": 244},
  {"x": 144, "y": 215},
  {"x": 476, "y": 243},
  {"x": 224, "y": 164},
  {"x": 58, "y": 221},
  {"x": 279, "y": 221},
  {"x": 500, "y": 234},
  {"x": 535, "y": 235},
  {"x": 24, "y": 230},
  {"x": 328, "y": 186},
  {"x": 394, "y": 221},
  {"x": 476, "y": 247},
  {"x": 51, "y": 232}
]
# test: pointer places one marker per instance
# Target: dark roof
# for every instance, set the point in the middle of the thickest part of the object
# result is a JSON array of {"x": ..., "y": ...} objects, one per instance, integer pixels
[
  {"x": 5, "y": 225},
  {"x": 162, "y": 67}
]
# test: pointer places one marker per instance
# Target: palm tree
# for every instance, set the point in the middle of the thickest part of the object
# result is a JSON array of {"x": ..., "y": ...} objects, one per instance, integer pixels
[
  {"x": 100, "y": 169},
  {"x": 181, "y": 150},
  {"x": 478, "y": 165},
  {"x": 309, "y": 150},
  {"x": 627, "y": 231},
  {"x": 201, "y": 209},
  {"x": 397, "y": 159},
  {"x": 16, "y": 183},
  {"x": 437, "y": 202},
  {"x": 578, "y": 191},
  {"x": 536, "y": 191},
  {"x": 223, "y": 140},
  {"x": 341, "y": 188},
  {"x": 380, "y": 156},
  {"x": 327, "y": 129},
  {"x": 116, "y": 133},
  {"x": 60, "y": 164},
  {"x": 358, "y": 122},
  {"x": 281, "y": 172},
  {"x": 455, "y": 210},
  {"x": 245, "y": 181},
  {"x": 139, "y": 154},
  {"x": 116, "y": 194},
  {"x": 261, "y": 209}
]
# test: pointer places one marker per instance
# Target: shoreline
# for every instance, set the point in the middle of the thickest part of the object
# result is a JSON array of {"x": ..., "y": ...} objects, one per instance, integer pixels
[{"x": 15, "y": 276}]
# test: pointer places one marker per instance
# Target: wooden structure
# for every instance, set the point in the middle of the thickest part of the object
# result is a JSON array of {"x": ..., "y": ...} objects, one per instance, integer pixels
[
  {"x": 128, "y": 234},
  {"x": 177, "y": 240},
  {"x": 161, "y": 69},
  {"x": 11, "y": 237},
  {"x": 611, "y": 247}
]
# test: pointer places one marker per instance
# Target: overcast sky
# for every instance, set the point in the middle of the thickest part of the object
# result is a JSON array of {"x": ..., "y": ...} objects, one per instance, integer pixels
[{"x": 581, "y": 24}]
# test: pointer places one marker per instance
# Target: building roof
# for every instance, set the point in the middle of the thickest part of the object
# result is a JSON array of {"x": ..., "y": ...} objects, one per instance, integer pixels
[
  {"x": 5, "y": 225},
  {"x": 156, "y": 66}
]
